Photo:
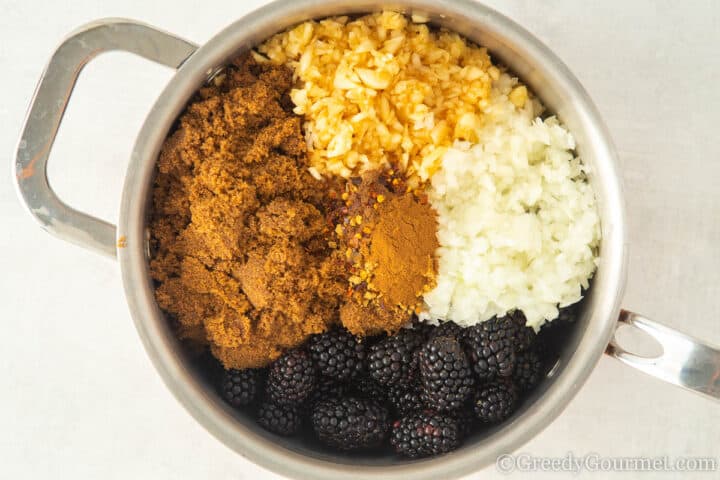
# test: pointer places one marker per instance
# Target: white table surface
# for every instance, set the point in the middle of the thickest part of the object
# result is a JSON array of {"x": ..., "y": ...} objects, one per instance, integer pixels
[{"x": 78, "y": 396}]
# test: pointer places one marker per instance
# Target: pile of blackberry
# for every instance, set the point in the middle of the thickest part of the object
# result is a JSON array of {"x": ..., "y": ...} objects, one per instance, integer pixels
[{"x": 422, "y": 390}]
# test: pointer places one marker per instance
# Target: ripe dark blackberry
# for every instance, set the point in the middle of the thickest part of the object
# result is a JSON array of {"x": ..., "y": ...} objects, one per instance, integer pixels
[
  {"x": 337, "y": 353},
  {"x": 239, "y": 387},
  {"x": 490, "y": 348},
  {"x": 425, "y": 434},
  {"x": 524, "y": 336},
  {"x": 405, "y": 399},
  {"x": 528, "y": 370},
  {"x": 350, "y": 423},
  {"x": 495, "y": 402},
  {"x": 324, "y": 388},
  {"x": 281, "y": 420},
  {"x": 291, "y": 378},
  {"x": 392, "y": 360},
  {"x": 446, "y": 376},
  {"x": 366, "y": 387}
]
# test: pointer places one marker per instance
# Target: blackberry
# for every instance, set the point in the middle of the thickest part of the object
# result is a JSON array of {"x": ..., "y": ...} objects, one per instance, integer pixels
[
  {"x": 524, "y": 336},
  {"x": 366, "y": 387},
  {"x": 337, "y": 353},
  {"x": 281, "y": 420},
  {"x": 239, "y": 387},
  {"x": 528, "y": 370},
  {"x": 291, "y": 378},
  {"x": 350, "y": 423},
  {"x": 405, "y": 399},
  {"x": 495, "y": 402},
  {"x": 324, "y": 388},
  {"x": 392, "y": 360},
  {"x": 425, "y": 434},
  {"x": 489, "y": 347},
  {"x": 446, "y": 375}
]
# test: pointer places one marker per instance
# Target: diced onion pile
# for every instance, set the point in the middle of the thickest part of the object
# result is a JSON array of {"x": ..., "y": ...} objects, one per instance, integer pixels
[{"x": 518, "y": 224}]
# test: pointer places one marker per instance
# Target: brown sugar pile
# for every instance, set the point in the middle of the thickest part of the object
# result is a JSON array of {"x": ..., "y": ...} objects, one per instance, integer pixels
[
  {"x": 388, "y": 238},
  {"x": 239, "y": 236}
]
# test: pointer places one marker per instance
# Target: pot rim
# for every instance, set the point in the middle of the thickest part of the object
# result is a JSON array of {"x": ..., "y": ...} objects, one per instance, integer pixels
[{"x": 162, "y": 349}]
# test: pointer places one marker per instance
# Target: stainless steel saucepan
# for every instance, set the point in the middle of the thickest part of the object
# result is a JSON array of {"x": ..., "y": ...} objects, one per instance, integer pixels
[{"x": 684, "y": 361}]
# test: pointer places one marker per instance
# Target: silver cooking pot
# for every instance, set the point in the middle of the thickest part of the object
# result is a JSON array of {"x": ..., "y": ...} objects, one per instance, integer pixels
[{"x": 684, "y": 361}]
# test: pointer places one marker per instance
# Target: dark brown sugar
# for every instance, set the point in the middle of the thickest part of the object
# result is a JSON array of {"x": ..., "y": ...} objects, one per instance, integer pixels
[{"x": 239, "y": 237}]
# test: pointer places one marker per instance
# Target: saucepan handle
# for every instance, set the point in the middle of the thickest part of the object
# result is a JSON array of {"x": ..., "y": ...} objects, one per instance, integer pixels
[
  {"x": 46, "y": 112},
  {"x": 685, "y": 361}
]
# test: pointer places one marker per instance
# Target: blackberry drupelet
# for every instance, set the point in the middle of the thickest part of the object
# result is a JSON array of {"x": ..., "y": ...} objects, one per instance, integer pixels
[
  {"x": 392, "y": 360},
  {"x": 425, "y": 434},
  {"x": 337, "y": 353},
  {"x": 446, "y": 376},
  {"x": 291, "y": 378},
  {"x": 239, "y": 387},
  {"x": 495, "y": 402},
  {"x": 281, "y": 420},
  {"x": 350, "y": 423},
  {"x": 406, "y": 399},
  {"x": 490, "y": 348},
  {"x": 528, "y": 370}
]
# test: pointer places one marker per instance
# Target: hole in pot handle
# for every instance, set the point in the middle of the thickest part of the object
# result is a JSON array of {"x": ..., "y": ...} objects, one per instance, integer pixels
[
  {"x": 48, "y": 107},
  {"x": 685, "y": 361}
]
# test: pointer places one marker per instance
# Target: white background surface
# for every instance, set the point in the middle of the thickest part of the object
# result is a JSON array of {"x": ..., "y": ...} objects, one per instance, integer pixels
[{"x": 78, "y": 396}]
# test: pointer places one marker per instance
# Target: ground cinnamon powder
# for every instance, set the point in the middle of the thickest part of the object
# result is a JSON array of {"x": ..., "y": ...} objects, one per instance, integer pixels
[
  {"x": 388, "y": 237},
  {"x": 402, "y": 246},
  {"x": 239, "y": 236}
]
